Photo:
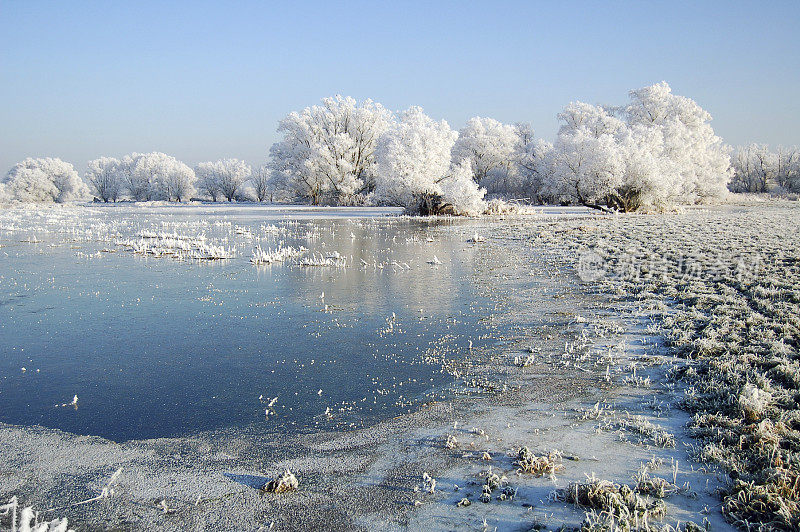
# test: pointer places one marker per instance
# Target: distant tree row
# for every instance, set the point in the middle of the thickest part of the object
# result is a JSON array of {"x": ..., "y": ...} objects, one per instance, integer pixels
[
  {"x": 157, "y": 176},
  {"x": 757, "y": 169},
  {"x": 658, "y": 149},
  {"x": 138, "y": 177}
]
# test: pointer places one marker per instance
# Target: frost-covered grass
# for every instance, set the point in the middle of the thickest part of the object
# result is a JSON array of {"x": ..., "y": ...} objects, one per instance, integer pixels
[
  {"x": 280, "y": 254},
  {"x": 724, "y": 286},
  {"x": 617, "y": 506},
  {"x": 29, "y": 520}
]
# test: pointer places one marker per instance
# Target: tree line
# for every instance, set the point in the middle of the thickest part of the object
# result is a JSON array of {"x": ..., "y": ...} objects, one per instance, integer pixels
[
  {"x": 656, "y": 150},
  {"x": 757, "y": 169}
]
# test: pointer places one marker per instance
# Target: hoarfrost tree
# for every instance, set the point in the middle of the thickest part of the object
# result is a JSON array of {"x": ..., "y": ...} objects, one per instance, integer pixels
[
  {"x": 599, "y": 161},
  {"x": 649, "y": 179},
  {"x": 157, "y": 176},
  {"x": 688, "y": 139},
  {"x": 232, "y": 175},
  {"x": 586, "y": 168},
  {"x": 138, "y": 183},
  {"x": 491, "y": 148},
  {"x": 665, "y": 151},
  {"x": 413, "y": 156},
  {"x": 262, "y": 184},
  {"x": 754, "y": 166},
  {"x": 757, "y": 169},
  {"x": 225, "y": 177},
  {"x": 207, "y": 182},
  {"x": 460, "y": 190},
  {"x": 787, "y": 171},
  {"x": 104, "y": 176},
  {"x": 177, "y": 181},
  {"x": 414, "y": 168},
  {"x": 534, "y": 168},
  {"x": 46, "y": 179},
  {"x": 328, "y": 150}
]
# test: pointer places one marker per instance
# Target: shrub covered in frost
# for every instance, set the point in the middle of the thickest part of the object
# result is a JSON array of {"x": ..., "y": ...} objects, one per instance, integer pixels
[
  {"x": 45, "y": 180},
  {"x": 461, "y": 191},
  {"x": 753, "y": 401}
]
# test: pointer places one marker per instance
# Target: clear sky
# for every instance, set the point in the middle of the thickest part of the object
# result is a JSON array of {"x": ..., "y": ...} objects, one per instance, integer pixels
[{"x": 204, "y": 80}]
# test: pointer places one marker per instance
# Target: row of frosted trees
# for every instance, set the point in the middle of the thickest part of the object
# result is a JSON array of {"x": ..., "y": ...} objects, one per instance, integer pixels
[
  {"x": 658, "y": 149},
  {"x": 757, "y": 169},
  {"x": 137, "y": 177}
]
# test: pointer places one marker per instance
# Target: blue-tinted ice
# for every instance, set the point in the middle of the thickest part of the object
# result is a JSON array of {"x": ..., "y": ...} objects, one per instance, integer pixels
[{"x": 158, "y": 347}]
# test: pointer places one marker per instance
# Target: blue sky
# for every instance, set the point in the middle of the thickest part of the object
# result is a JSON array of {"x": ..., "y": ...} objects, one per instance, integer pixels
[{"x": 204, "y": 80}]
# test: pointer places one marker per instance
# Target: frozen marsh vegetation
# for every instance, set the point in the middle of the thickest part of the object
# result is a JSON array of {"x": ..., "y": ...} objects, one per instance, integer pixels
[{"x": 724, "y": 286}]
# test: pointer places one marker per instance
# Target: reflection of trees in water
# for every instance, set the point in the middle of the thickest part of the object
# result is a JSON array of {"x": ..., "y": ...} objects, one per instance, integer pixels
[{"x": 370, "y": 288}]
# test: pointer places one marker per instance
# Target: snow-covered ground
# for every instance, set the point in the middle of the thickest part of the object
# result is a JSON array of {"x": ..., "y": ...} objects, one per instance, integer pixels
[{"x": 598, "y": 316}]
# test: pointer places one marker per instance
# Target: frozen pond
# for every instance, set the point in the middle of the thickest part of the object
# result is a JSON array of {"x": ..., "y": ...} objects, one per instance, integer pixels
[{"x": 128, "y": 308}]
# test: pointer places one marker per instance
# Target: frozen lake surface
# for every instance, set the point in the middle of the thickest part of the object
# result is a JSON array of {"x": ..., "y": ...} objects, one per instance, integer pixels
[{"x": 121, "y": 306}]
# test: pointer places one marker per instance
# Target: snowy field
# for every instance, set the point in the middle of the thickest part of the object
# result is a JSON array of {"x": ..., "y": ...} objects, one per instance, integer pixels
[{"x": 619, "y": 367}]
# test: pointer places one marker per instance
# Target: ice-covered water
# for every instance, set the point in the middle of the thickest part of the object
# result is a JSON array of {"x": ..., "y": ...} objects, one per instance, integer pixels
[{"x": 127, "y": 308}]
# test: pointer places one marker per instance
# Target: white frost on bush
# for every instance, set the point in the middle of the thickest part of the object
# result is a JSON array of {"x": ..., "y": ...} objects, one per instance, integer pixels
[
  {"x": 753, "y": 401},
  {"x": 327, "y": 153},
  {"x": 44, "y": 180},
  {"x": 225, "y": 178},
  {"x": 660, "y": 150},
  {"x": 413, "y": 157},
  {"x": 462, "y": 192},
  {"x": 492, "y": 149}
]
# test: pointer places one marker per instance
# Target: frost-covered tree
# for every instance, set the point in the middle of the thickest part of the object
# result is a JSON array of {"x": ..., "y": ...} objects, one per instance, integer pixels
[
  {"x": 156, "y": 176},
  {"x": 414, "y": 168},
  {"x": 328, "y": 151},
  {"x": 534, "y": 167},
  {"x": 46, "y": 179},
  {"x": 207, "y": 182},
  {"x": 491, "y": 148},
  {"x": 262, "y": 184},
  {"x": 688, "y": 140},
  {"x": 649, "y": 179},
  {"x": 664, "y": 151},
  {"x": 460, "y": 190},
  {"x": 787, "y": 170},
  {"x": 138, "y": 183},
  {"x": 586, "y": 167},
  {"x": 177, "y": 181},
  {"x": 599, "y": 161},
  {"x": 225, "y": 177},
  {"x": 754, "y": 166},
  {"x": 233, "y": 173},
  {"x": 792, "y": 183},
  {"x": 104, "y": 176},
  {"x": 758, "y": 169},
  {"x": 413, "y": 156}
]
